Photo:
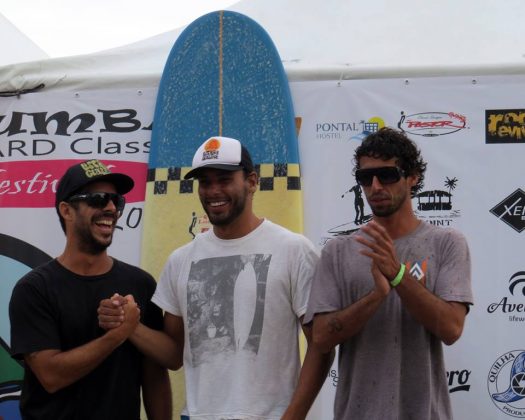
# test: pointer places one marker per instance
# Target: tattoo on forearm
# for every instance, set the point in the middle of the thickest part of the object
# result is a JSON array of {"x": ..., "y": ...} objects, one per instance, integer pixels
[{"x": 334, "y": 325}]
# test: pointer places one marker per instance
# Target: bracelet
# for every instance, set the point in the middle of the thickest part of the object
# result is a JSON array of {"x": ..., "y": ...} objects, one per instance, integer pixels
[{"x": 399, "y": 277}]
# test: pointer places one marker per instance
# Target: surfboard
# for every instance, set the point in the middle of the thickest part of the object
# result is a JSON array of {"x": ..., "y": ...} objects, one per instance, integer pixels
[{"x": 223, "y": 77}]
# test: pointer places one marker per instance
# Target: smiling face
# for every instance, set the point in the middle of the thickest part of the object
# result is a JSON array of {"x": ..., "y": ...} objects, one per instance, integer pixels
[
  {"x": 386, "y": 199},
  {"x": 93, "y": 227},
  {"x": 225, "y": 195}
]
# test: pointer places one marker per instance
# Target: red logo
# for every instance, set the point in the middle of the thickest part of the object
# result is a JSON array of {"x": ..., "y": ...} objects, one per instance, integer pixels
[{"x": 432, "y": 124}]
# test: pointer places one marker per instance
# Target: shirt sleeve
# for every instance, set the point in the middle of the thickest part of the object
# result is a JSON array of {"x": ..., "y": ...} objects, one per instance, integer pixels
[
  {"x": 325, "y": 294},
  {"x": 304, "y": 262},
  {"x": 454, "y": 277},
  {"x": 33, "y": 319},
  {"x": 166, "y": 296},
  {"x": 152, "y": 313}
]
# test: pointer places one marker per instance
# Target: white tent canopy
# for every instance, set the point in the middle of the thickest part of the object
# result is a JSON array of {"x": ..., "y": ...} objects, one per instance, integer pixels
[
  {"x": 17, "y": 47},
  {"x": 330, "y": 40}
]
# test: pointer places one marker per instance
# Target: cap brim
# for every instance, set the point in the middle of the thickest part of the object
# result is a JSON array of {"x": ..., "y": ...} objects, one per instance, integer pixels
[{"x": 194, "y": 172}]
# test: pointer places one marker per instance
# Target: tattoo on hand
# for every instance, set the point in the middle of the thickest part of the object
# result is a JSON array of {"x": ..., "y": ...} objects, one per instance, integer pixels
[{"x": 334, "y": 325}]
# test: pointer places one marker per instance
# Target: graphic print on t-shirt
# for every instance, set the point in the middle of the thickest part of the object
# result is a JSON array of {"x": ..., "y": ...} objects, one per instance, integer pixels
[
  {"x": 417, "y": 269},
  {"x": 226, "y": 298}
]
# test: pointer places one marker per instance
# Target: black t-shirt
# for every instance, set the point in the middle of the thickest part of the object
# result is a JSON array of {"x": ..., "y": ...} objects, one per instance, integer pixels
[{"x": 54, "y": 308}]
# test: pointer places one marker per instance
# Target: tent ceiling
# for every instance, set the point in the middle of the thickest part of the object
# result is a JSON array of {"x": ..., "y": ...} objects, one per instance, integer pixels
[{"x": 333, "y": 39}]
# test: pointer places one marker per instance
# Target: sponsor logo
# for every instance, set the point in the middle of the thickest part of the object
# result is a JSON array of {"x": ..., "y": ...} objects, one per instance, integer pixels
[
  {"x": 436, "y": 206},
  {"x": 506, "y": 383},
  {"x": 458, "y": 380},
  {"x": 33, "y": 183},
  {"x": 335, "y": 130},
  {"x": 370, "y": 126},
  {"x": 433, "y": 206},
  {"x": 505, "y": 126},
  {"x": 511, "y": 210},
  {"x": 508, "y": 306},
  {"x": 347, "y": 130},
  {"x": 108, "y": 132},
  {"x": 432, "y": 124}
]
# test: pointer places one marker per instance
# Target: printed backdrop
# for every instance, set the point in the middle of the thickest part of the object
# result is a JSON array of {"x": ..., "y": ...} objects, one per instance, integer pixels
[{"x": 471, "y": 131}]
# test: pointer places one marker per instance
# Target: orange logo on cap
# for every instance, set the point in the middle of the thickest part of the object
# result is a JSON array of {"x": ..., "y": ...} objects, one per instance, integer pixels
[{"x": 212, "y": 144}]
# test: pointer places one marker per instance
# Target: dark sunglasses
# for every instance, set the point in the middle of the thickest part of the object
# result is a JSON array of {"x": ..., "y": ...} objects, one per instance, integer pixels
[
  {"x": 99, "y": 200},
  {"x": 385, "y": 175}
]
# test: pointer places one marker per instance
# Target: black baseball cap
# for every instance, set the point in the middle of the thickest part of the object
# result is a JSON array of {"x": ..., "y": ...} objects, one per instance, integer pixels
[{"x": 82, "y": 174}]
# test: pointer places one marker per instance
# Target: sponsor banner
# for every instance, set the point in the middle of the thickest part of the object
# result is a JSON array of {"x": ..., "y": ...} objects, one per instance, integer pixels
[
  {"x": 41, "y": 135},
  {"x": 474, "y": 183},
  {"x": 470, "y": 185}
]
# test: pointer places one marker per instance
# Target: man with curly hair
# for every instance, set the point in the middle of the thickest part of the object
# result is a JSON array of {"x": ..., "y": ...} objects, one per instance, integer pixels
[{"x": 391, "y": 293}]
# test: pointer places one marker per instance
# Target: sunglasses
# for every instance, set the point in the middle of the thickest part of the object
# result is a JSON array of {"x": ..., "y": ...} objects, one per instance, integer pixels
[
  {"x": 99, "y": 200},
  {"x": 385, "y": 175}
]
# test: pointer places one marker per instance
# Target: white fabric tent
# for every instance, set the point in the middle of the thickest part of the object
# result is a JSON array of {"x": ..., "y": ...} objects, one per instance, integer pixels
[
  {"x": 16, "y": 46},
  {"x": 330, "y": 40}
]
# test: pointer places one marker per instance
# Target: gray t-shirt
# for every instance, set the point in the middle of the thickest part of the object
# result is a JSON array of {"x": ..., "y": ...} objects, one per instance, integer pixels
[{"x": 393, "y": 368}]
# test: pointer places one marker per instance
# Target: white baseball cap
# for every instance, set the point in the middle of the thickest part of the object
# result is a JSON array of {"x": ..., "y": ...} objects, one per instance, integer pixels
[{"x": 221, "y": 153}]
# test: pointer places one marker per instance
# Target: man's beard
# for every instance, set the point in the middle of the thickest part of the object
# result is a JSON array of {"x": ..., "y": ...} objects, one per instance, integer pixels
[
  {"x": 397, "y": 202},
  {"x": 89, "y": 243},
  {"x": 238, "y": 204}
]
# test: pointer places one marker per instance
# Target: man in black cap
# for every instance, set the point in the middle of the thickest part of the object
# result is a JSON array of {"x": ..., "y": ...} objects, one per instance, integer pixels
[{"x": 74, "y": 369}]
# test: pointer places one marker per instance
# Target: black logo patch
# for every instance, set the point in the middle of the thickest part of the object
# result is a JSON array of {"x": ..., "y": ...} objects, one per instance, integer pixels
[{"x": 512, "y": 210}]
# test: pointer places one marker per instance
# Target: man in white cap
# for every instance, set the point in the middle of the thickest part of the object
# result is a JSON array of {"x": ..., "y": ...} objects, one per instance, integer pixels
[
  {"x": 73, "y": 369},
  {"x": 234, "y": 298}
]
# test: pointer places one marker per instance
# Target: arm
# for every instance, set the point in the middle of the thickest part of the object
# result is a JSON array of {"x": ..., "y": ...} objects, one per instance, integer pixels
[
  {"x": 156, "y": 391},
  {"x": 165, "y": 347},
  {"x": 333, "y": 328},
  {"x": 442, "y": 318},
  {"x": 313, "y": 374},
  {"x": 57, "y": 369}
]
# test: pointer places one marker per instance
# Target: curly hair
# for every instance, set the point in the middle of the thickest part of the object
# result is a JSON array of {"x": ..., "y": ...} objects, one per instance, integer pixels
[{"x": 388, "y": 143}]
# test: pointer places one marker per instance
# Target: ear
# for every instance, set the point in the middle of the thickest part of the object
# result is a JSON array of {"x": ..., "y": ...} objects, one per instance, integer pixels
[
  {"x": 252, "y": 180},
  {"x": 66, "y": 211},
  {"x": 412, "y": 180}
]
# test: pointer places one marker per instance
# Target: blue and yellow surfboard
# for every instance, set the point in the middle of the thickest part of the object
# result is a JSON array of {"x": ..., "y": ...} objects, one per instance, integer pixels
[{"x": 223, "y": 77}]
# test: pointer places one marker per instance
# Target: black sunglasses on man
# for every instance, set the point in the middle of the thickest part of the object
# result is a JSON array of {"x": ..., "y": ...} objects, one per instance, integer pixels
[
  {"x": 99, "y": 200},
  {"x": 384, "y": 174}
]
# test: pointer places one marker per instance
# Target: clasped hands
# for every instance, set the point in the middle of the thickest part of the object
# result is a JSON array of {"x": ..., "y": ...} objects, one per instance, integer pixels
[
  {"x": 119, "y": 312},
  {"x": 380, "y": 248}
]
